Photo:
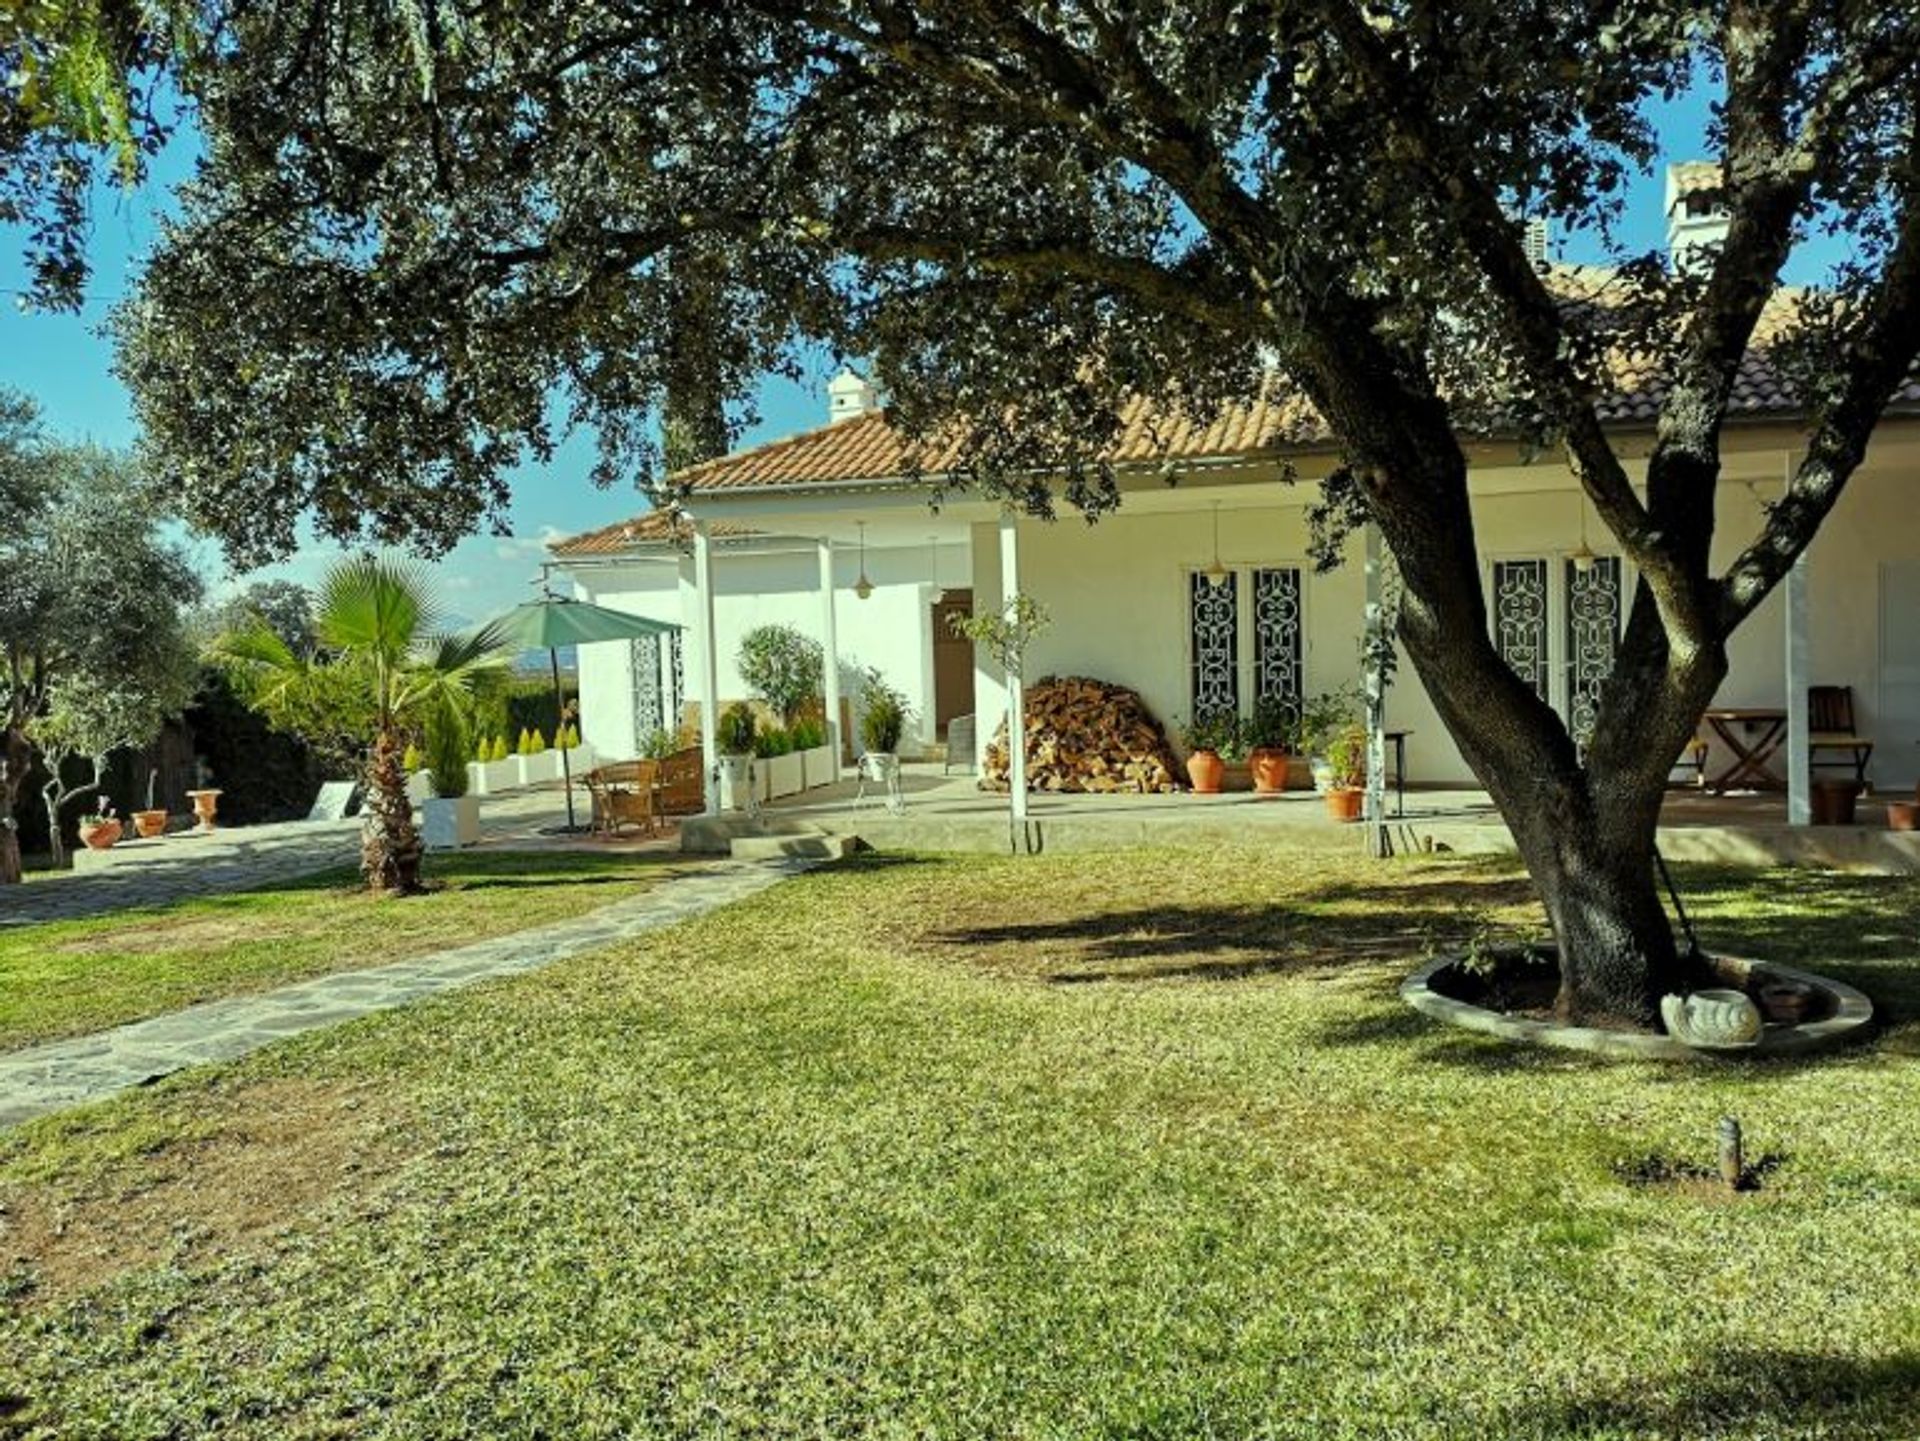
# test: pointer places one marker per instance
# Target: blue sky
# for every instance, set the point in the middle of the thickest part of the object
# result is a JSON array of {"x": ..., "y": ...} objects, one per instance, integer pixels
[{"x": 63, "y": 362}]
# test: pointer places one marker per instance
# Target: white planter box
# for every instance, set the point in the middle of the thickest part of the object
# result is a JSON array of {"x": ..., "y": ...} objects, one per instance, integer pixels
[
  {"x": 449, "y": 825},
  {"x": 787, "y": 774},
  {"x": 737, "y": 775},
  {"x": 537, "y": 769},
  {"x": 818, "y": 768},
  {"x": 419, "y": 787}
]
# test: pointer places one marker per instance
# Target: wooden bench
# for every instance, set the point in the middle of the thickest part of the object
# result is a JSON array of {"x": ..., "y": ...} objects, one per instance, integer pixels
[
  {"x": 1830, "y": 728},
  {"x": 624, "y": 794}
]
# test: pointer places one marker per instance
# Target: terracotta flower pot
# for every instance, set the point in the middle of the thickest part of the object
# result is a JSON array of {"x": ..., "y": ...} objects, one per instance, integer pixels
[
  {"x": 1206, "y": 770},
  {"x": 1833, "y": 802},
  {"x": 1270, "y": 770},
  {"x": 100, "y": 835},
  {"x": 1903, "y": 815},
  {"x": 148, "y": 824},
  {"x": 1345, "y": 803}
]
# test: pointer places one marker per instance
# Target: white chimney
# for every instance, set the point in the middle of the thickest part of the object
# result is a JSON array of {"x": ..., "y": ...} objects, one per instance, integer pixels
[
  {"x": 1697, "y": 216},
  {"x": 1534, "y": 238},
  {"x": 850, "y": 396}
]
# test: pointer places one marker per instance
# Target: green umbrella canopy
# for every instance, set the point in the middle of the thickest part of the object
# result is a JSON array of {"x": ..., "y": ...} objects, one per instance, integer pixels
[{"x": 554, "y": 622}]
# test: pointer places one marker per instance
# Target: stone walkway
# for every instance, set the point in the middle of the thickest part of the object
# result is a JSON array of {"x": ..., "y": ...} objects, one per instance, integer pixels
[
  {"x": 64, "y": 1074},
  {"x": 237, "y": 858}
]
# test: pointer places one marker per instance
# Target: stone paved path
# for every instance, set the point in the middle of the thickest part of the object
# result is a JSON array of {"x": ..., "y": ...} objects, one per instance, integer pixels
[
  {"x": 63, "y": 1074},
  {"x": 234, "y": 859}
]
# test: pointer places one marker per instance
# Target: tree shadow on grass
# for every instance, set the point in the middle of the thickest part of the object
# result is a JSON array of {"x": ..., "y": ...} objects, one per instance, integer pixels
[
  {"x": 1211, "y": 943},
  {"x": 1740, "y": 1391}
]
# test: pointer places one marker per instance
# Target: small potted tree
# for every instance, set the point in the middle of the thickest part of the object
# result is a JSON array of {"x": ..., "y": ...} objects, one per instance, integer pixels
[
  {"x": 882, "y": 723},
  {"x": 1270, "y": 734},
  {"x": 1347, "y": 774},
  {"x": 101, "y": 830},
  {"x": 152, "y": 821},
  {"x": 1323, "y": 719},
  {"x": 736, "y": 757},
  {"x": 450, "y": 817}
]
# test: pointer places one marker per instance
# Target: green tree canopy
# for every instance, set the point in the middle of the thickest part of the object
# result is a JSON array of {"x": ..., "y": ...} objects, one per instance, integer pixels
[{"x": 1027, "y": 216}]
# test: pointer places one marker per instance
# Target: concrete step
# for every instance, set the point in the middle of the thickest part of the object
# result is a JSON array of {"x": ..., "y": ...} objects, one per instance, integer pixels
[{"x": 819, "y": 847}]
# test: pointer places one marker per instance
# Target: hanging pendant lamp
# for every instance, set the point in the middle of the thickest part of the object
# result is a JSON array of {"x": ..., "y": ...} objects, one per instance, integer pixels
[
  {"x": 1581, "y": 556},
  {"x": 1216, "y": 574},
  {"x": 862, "y": 588}
]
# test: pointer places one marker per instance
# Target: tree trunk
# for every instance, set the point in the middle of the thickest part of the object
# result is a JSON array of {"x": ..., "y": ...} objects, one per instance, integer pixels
[
  {"x": 389, "y": 844},
  {"x": 16, "y": 756}
]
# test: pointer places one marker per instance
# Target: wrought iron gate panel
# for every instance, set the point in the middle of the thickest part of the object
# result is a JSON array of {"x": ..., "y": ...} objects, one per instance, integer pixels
[
  {"x": 1213, "y": 618},
  {"x": 649, "y": 703},
  {"x": 676, "y": 680},
  {"x": 1593, "y": 636},
  {"x": 1520, "y": 620},
  {"x": 1277, "y": 635}
]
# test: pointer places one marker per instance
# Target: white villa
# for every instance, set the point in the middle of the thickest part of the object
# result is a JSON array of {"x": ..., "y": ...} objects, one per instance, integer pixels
[{"x": 823, "y": 531}]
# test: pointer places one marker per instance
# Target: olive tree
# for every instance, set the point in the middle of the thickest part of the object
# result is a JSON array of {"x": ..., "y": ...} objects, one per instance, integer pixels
[
  {"x": 91, "y": 614},
  {"x": 1028, "y": 215}
]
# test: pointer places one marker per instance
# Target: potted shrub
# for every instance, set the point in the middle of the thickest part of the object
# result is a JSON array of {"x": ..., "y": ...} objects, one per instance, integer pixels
[
  {"x": 736, "y": 731},
  {"x": 1347, "y": 774},
  {"x": 1324, "y": 718},
  {"x": 152, "y": 821},
  {"x": 450, "y": 817},
  {"x": 882, "y": 723},
  {"x": 785, "y": 771},
  {"x": 818, "y": 766},
  {"x": 1270, "y": 737},
  {"x": 99, "y": 831},
  {"x": 1206, "y": 739}
]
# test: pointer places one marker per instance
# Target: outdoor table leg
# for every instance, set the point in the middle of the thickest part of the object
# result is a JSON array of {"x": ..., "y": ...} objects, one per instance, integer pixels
[{"x": 1749, "y": 758}]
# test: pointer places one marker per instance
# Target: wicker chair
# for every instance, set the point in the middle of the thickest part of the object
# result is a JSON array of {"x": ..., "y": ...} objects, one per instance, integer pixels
[
  {"x": 680, "y": 788},
  {"x": 624, "y": 794}
]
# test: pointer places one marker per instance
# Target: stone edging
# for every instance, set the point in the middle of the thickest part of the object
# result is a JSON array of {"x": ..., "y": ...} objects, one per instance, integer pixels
[{"x": 1852, "y": 1012}]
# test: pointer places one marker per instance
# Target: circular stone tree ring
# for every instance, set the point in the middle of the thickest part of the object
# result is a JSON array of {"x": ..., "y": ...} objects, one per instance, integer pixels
[{"x": 1448, "y": 990}]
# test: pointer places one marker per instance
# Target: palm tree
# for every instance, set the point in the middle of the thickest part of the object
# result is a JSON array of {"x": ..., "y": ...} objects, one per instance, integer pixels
[{"x": 382, "y": 661}]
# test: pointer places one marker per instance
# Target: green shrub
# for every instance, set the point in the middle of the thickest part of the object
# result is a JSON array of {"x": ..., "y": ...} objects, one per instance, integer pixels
[
  {"x": 884, "y": 719},
  {"x": 808, "y": 734},
  {"x": 774, "y": 741},
  {"x": 537, "y": 744},
  {"x": 736, "y": 729},
  {"x": 447, "y": 747},
  {"x": 659, "y": 745},
  {"x": 411, "y": 760},
  {"x": 783, "y": 668}
]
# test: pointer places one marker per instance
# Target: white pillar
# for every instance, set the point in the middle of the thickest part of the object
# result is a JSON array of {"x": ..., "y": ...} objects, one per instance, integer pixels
[
  {"x": 1374, "y": 687},
  {"x": 708, "y": 663},
  {"x": 1799, "y": 757},
  {"x": 1016, "y": 689},
  {"x": 830, "y": 653}
]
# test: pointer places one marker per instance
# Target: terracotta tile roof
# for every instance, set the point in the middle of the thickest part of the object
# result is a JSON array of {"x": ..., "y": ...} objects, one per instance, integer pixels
[
  {"x": 867, "y": 450},
  {"x": 1690, "y": 176},
  {"x": 653, "y": 528}
]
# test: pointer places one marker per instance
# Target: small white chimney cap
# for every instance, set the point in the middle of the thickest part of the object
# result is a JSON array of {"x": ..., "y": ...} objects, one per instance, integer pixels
[{"x": 850, "y": 395}]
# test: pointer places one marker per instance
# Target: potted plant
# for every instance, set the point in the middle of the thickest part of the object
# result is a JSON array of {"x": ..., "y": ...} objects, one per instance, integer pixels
[
  {"x": 1347, "y": 774},
  {"x": 786, "y": 771},
  {"x": 882, "y": 723},
  {"x": 99, "y": 831},
  {"x": 152, "y": 821},
  {"x": 1323, "y": 719},
  {"x": 450, "y": 817},
  {"x": 818, "y": 765},
  {"x": 1270, "y": 736},
  {"x": 736, "y": 757},
  {"x": 1206, "y": 738}
]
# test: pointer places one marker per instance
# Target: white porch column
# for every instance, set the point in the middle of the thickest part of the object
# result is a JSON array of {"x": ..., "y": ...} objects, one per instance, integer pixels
[
  {"x": 830, "y": 652},
  {"x": 1016, "y": 689},
  {"x": 1799, "y": 758},
  {"x": 709, "y": 663},
  {"x": 1373, "y": 685}
]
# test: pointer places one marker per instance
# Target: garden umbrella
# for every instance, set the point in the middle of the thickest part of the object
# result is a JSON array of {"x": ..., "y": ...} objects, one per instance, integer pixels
[{"x": 555, "y": 621}]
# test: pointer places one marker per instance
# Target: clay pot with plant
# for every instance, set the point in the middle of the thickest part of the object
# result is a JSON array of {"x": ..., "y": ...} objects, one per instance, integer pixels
[
  {"x": 101, "y": 830},
  {"x": 1209, "y": 741},
  {"x": 1323, "y": 718},
  {"x": 1347, "y": 774},
  {"x": 152, "y": 821},
  {"x": 1270, "y": 736}
]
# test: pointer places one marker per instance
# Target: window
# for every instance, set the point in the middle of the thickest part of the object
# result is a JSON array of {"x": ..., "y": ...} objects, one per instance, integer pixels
[
  {"x": 1561, "y": 637},
  {"x": 1246, "y": 639},
  {"x": 1520, "y": 627}
]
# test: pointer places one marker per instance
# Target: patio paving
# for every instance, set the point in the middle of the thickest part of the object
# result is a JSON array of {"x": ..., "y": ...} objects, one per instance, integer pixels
[{"x": 44, "y": 1079}]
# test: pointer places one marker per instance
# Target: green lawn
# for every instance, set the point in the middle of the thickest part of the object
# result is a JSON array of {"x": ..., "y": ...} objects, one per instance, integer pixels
[
  {"x": 72, "y": 977},
  {"x": 1136, "y": 1145}
]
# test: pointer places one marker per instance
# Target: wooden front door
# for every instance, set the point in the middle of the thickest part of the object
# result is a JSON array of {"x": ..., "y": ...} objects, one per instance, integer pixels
[{"x": 952, "y": 661}]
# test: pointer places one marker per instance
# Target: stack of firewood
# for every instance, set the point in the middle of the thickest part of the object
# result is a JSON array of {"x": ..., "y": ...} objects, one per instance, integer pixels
[{"x": 1086, "y": 735}]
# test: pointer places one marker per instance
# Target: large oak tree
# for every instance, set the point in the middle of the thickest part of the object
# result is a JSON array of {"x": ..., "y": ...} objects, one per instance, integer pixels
[{"x": 418, "y": 224}]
